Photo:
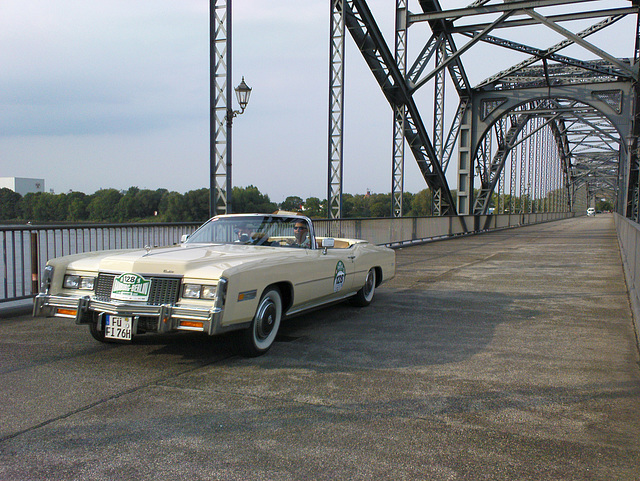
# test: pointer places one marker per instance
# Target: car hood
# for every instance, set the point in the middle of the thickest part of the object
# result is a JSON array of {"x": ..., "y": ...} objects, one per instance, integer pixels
[{"x": 199, "y": 261}]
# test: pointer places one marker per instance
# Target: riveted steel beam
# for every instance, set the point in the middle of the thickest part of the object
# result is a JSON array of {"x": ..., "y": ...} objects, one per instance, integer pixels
[
  {"x": 336, "y": 109},
  {"x": 220, "y": 96},
  {"x": 399, "y": 112},
  {"x": 369, "y": 40}
]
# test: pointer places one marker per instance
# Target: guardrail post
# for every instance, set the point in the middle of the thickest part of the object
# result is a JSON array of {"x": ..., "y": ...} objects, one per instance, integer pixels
[
  {"x": 4, "y": 264},
  {"x": 35, "y": 275}
]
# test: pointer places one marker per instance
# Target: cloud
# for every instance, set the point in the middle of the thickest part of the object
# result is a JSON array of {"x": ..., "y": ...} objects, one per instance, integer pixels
[{"x": 75, "y": 67}]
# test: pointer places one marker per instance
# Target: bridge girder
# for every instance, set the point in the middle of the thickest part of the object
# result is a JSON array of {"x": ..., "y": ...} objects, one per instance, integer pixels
[
  {"x": 591, "y": 124},
  {"x": 598, "y": 119},
  {"x": 587, "y": 100},
  {"x": 373, "y": 47}
]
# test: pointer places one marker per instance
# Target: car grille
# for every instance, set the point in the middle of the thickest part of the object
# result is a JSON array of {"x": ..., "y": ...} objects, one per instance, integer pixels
[
  {"x": 164, "y": 290},
  {"x": 147, "y": 324}
]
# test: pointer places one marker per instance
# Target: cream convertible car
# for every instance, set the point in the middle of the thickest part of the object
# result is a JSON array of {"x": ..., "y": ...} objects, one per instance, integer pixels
[{"x": 236, "y": 272}]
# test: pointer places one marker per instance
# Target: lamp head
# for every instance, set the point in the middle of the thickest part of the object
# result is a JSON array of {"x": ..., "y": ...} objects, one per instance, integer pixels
[{"x": 243, "y": 92}]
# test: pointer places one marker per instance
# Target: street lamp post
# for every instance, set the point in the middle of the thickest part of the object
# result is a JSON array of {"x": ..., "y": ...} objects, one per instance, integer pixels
[{"x": 222, "y": 112}]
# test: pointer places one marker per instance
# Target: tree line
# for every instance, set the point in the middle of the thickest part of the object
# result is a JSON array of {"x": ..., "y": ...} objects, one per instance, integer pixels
[{"x": 161, "y": 205}]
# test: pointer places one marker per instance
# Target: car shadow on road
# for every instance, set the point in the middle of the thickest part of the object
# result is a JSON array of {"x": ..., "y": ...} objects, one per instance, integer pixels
[
  {"x": 190, "y": 346},
  {"x": 401, "y": 328}
]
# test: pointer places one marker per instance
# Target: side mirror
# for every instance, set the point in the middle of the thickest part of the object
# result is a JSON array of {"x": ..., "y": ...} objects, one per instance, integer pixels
[
  {"x": 184, "y": 238},
  {"x": 328, "y": 242}
]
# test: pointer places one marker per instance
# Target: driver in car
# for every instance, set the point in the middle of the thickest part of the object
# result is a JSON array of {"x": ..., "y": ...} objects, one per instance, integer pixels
[
  {"x": 301, "y": 233},
  {"x": 244, "y": 233}
]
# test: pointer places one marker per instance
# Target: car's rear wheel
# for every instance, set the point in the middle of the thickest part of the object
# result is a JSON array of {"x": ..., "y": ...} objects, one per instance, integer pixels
[
  {"x": 365, "y": 295},
  {"x": 259, "y": 336}
]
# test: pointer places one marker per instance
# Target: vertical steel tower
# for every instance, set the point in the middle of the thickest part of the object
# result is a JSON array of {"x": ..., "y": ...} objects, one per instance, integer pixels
[{"x": 220, "y": 100}]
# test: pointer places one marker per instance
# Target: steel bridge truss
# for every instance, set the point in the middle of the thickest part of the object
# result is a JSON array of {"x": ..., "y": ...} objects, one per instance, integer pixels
[
  {"x": 390, "y": 76},
  {"x": 528, "y": 137},
  {"x": 557, "y": 135}
]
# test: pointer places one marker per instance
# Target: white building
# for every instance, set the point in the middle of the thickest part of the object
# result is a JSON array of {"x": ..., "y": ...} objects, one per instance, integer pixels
[{"x": 22, "y": 185}]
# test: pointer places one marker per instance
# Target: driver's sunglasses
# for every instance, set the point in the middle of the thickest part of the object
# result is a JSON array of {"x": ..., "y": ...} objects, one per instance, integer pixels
[{"x": 299, "y": 228}]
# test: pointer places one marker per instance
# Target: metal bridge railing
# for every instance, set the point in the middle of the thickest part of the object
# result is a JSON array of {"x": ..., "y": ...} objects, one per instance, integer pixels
[
  {"x": 409, "y": 230},
  {"x": 629, "y": 240},
  {"x": 26, "y": 249}
]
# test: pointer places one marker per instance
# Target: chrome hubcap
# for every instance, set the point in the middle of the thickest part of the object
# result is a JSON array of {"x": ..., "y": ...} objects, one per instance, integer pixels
[{"x": 266, "y": 319}]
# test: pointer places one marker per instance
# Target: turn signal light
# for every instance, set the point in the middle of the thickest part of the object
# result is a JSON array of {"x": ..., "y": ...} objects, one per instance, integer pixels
[
  {"x": 67, "y": 312},
  {"x": 198, "y": 325}
]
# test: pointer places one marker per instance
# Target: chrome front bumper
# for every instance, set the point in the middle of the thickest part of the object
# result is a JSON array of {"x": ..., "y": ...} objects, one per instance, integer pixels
[{"x": 169, "y": 317}]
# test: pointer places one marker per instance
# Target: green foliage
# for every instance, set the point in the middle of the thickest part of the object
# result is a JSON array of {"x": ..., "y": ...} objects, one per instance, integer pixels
[
  {"x": 420, "y": 204},
  {"x": 103, "y": 206},
  {"x": 367, "y": 205},
  {"x": 26, "y": 207},
  {"x": 171, "y": 207},
  {"x": 41, "y": 206},
  {"x": 348, "y": 205},
  {"x": 380, "y": 205},
  {"x": 249, "y": 199},
  {"x": 315, "y": 208},
  {"x": 128, "y": 206},
  {"x": 292, "y": 204},
  {"x": 144, "y": 205},
  {"x": 138, "y": 204},
  {"x": 196, "y": 206},
  {"x": 407, "y": 202},
  {"x": 604, "y": 206},
  {"x": 77, "y": 207},
  {"x": 9, "y": 204},
  {"x": 360, "y": 206}
]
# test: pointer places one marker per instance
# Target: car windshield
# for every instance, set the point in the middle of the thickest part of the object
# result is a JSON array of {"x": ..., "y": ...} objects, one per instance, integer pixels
[{"x": 262, "y": 230}]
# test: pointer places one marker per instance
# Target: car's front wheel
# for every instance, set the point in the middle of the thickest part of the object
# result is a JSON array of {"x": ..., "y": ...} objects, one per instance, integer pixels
[
  {"x": 95, "y": 333},
  {"x": 259, "y": 336},
  {"x": 365, "y": 295}
]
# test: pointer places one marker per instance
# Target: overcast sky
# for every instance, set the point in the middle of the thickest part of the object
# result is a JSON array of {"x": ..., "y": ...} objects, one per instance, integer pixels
[{"x": 115, "y": 93}]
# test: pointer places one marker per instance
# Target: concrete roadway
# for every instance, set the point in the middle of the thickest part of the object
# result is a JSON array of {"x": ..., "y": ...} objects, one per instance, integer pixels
[{"x": 509, "y": 355}]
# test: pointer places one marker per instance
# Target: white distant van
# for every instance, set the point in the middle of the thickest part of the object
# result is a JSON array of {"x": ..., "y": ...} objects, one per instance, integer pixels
[{"x": 591, "y": 211}]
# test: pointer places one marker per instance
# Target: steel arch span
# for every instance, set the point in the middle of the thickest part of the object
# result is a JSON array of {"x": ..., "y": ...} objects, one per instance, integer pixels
[
  {"x": 583, "y": 128},
  {"x": 571, "y": 94}
]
